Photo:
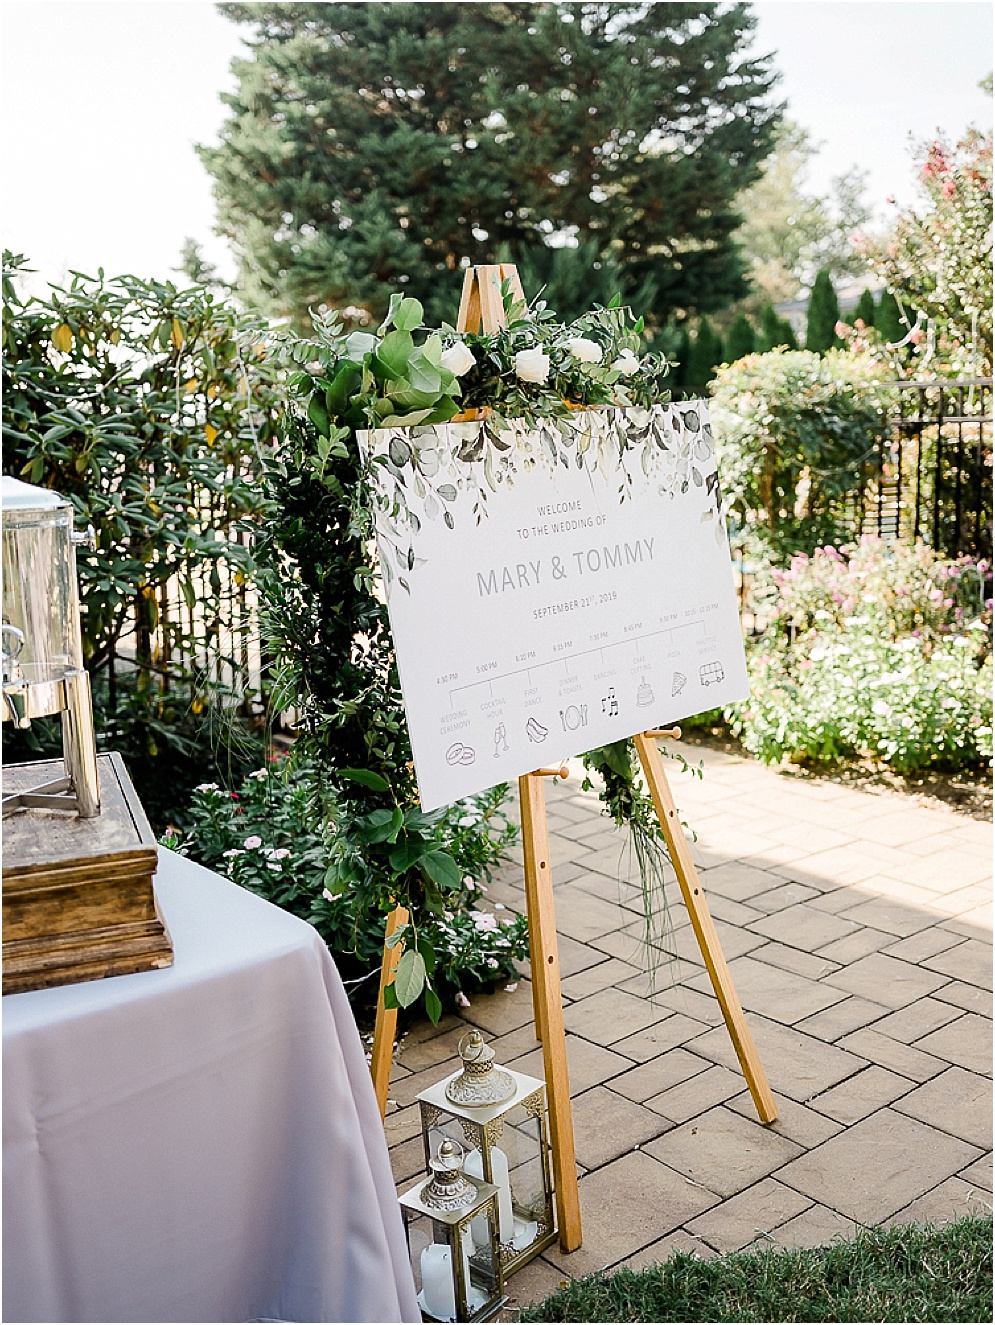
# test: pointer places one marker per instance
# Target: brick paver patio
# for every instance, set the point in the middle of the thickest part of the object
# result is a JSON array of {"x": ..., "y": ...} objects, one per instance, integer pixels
[{"x": 858, "y": 931}]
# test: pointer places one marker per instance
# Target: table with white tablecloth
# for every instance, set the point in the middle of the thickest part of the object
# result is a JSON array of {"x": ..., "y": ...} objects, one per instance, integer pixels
[{"x": 200, "y": 1143}]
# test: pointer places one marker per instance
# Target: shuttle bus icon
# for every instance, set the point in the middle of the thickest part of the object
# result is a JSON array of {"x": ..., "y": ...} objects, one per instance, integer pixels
[{"x": 711, "y": 671}]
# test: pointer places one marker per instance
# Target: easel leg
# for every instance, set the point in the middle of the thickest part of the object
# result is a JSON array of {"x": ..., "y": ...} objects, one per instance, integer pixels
[
  {"x": 548, "y": 1001},
  {"x": 383, "y": 1035},
  {"x": 704, "y": 928}
]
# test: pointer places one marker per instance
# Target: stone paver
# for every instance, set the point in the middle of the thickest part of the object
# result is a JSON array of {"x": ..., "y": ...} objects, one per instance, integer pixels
[
  {"x": 957, "y": 1102},
  {"x": 628, "y": 1205},
  {"x": 607, "y": 1126},
  {"x": 878, "y": 1166},
  {"x": 723, "y": 1151},
  {"x": 749, "y": 1216},
  {"x": 857, "y": 930}
]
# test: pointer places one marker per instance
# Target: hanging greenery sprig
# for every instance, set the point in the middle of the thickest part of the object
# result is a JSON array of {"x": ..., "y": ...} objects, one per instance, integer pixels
[{"x": 324, "y": 613}]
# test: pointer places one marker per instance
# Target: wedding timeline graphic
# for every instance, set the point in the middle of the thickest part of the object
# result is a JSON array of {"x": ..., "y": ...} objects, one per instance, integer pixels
[{"x": 552, "y": 587}]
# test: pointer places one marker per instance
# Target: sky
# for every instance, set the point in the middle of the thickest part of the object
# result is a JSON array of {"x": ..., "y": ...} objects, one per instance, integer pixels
[{"x": 103, "y": 101}]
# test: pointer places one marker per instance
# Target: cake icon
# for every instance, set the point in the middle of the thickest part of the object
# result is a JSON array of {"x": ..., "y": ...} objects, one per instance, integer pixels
[{"x": 644, "y": 695}]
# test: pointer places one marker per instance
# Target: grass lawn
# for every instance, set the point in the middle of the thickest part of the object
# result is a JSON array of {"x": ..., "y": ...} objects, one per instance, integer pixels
[{"x": 909, "y": 1273}]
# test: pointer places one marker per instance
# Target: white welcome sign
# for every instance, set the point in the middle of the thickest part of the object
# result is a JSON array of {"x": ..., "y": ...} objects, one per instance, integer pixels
[{"x": 552, "y": 588}]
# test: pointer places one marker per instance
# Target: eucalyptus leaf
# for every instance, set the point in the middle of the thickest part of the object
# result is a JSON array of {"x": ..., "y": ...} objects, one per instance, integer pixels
[
  {"x": 408, "y": 315},
  {"x": 409, "y": 979},
  {"x": 393, "y": 354}
]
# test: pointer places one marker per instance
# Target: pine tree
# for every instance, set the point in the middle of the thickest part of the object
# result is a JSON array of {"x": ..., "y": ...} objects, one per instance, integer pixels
[
  {"x": 740, "y": 338},
  {"x": 864, "y": 312},
  {"x": 774, "y": 332},
  {"x": 888, "y": 319},
  {"x": 705, "y": 356},
  {"x": 372, "y": 146},
  {"x": 823, "y": 314}
]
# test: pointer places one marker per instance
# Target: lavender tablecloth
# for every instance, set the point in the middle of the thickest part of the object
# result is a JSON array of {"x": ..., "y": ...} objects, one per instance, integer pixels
[{"x": 200, "y": 1143}]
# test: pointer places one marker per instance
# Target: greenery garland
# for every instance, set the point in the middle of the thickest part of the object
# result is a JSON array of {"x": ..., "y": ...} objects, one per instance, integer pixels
[{"x": 326, "y": 621}]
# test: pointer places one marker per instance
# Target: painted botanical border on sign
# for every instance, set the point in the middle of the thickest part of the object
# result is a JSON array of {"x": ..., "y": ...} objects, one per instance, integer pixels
[{"x": 447, "y": 472}]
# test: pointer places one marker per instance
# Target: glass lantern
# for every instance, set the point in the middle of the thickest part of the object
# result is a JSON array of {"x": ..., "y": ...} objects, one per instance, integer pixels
[
  {"x": 43, "y": 669},
  {"x": 450, "y": 1224},
  {"x": 501, "y": 1116}
]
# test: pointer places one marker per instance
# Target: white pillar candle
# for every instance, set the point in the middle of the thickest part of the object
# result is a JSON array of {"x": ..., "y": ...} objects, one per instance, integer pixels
[
  {"x": 438, "y": 1289},
  {"x": 474, "y": 1168}
]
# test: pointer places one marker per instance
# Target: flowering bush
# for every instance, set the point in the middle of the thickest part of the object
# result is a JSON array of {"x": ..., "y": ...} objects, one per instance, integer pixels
[
  {"x": 938, "y": 258},
  {"x": 268, "y": 837},
  {"x": 873, "y": 651}
]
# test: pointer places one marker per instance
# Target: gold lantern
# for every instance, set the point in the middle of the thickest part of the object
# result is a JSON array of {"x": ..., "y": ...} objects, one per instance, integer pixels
[
  {"x": 501, "y": 1116},
  {"x": 450, "y": 1224}
]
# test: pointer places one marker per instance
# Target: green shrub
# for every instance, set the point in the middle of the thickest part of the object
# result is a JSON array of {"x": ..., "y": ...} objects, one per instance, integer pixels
[
  {"x": 740, "y": 339},
  {"x": 823, "y": 315},
  {"x": 273, "y": 837},
  {"x": 873, "y": 652},
  {"x": 775, "y": 332},
  {"x": 795, "y": 434},
  {"x": 146, "y": 406}
]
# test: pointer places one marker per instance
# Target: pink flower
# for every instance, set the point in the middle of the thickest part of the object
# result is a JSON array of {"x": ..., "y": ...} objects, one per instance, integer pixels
[
  {"x": 252, "y": 842},
  {"x": 461, "y": 999}
]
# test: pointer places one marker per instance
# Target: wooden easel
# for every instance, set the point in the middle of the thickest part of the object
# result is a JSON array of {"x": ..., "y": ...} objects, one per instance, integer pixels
[{"x": 481, "y": 305}]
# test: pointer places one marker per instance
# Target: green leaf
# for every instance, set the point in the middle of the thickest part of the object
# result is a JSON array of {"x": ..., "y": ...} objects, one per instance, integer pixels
[
  {"x": 433, "y": 1005},
  {"x": 395, "y": 350},
  {"x": 423, "y": 375},
  {"x": 317, "y": 412},
  {"x": 380, "y": 825},
  {"x": 366, "y": 778},
  {"x": 390, "y": 998},
  {"x": 392, "y": 940},
  {"x": 441, "y": 869},
  {"x": 617, "y": 758},
  {"x": 428, "y": 953},
  {"x": 432, "y": 350},
  {"x": 334, "y": 882},
  {"x": 409, "y": 315},
  {"x": 417, "y": 821},
  {"x": 410, "y": 978},
  {"x": 405, "y": 420},
  {"x": 433, "y": 900},
  {"x": 407, "y": 853},
  {"x": 395, "y": 303},
  {"x": 346, "y": 384},
  {"x": 443, "y": 412}
]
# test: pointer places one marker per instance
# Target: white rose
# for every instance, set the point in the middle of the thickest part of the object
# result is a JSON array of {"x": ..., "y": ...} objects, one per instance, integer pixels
[
  {"x": 457, "y": 359},
  {"x": 532, "y": 365},
  {"x": 626, "y": 363},
  {"x": 587, "y": 351}
]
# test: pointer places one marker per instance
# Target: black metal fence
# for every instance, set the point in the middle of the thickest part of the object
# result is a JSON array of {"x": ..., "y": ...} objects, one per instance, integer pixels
[{"x": 933, "y": 471}]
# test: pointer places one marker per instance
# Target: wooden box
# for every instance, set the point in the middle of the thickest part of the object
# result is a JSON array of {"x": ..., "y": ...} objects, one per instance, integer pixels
[{"x": 78, "y": 901}]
